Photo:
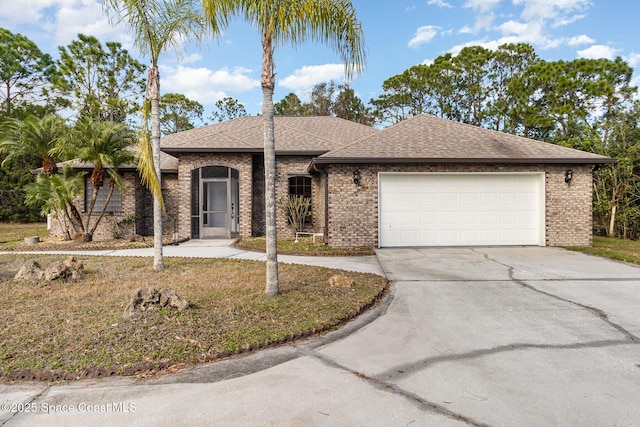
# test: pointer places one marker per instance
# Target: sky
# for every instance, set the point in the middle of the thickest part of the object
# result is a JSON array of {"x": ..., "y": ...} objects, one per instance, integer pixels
[{"x": 398, "y": 35}]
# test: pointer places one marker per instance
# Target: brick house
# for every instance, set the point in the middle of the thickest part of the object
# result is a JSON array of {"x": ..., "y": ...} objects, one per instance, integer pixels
[{"x": 421, "y": 182}]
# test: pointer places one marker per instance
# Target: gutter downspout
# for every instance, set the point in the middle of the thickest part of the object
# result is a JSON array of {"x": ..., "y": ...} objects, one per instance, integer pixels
[{"x": 314, "y": 167}]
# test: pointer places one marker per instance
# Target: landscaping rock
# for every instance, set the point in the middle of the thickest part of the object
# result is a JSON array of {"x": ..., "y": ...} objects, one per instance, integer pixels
[
  {"x": 173, "y": 300},
  {"x": 74, "y": 264},
  {"x": 148, "y": 299},
  {"x": 341, "y": 282},
  {"x": 30, "y": 272},
  {"x": 68, "y": 269}
]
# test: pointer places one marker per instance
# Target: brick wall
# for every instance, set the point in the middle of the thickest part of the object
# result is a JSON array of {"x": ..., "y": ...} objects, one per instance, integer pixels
[
  {"x": 569, "y": 218},
  {"x": 353, "y": 210},
  {"x": 107, "y": 227},
  {"x": 144, "y": 206},
  {"x": 287, "y": 166}
]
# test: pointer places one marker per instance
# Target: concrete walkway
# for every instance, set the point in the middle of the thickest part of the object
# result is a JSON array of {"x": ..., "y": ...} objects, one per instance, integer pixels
[
  {"x": 468, "y": 336},
  {"x": 221, "y": 248}
]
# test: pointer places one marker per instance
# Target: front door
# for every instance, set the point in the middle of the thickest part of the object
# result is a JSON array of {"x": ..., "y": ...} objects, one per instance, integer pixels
[{"x": 215, "y": 214}]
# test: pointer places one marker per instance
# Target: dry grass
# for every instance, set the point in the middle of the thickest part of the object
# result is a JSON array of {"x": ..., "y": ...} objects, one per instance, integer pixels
[
  {"x": 13, "y": 234},
  {"x": 12, "y": 239},
  {"x": 305, "y": 246},
  {"x": 71, "y": 326}
]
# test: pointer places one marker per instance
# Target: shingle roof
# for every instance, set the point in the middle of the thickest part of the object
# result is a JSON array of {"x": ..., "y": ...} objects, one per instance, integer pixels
[
  {"x": 304, "y": 134},
  {"x": 430, "y": 139},
  {"x": 168, "y": 164}
]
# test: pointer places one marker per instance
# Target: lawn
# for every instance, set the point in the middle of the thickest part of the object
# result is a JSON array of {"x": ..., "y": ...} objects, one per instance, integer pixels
[
  {"x": 305, "y": 246},
  {"x": 618, "y": 249},
  {"x": 70, "y": 327},
  {"x": 12, "y": 239},
  {"x": 12, "y": 234}
]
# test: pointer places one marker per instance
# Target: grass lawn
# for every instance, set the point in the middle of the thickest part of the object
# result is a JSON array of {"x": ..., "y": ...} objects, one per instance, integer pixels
[
  {"x": 12, "y": 239},
  {"x": 12, "y": 234},
  {"x": 305, "y": 246},
  {"x": 67, "y": 326},
  {"x": 619, "y": 249}
]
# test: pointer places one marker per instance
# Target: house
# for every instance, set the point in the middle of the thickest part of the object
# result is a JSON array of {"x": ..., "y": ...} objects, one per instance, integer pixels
[{"x": 422, "y": 182}]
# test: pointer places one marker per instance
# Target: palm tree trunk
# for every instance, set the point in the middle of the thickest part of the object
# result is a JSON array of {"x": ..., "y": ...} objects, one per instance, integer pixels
[
  {"x": 88, "y": 235},
  {"x": 153, "y": 87},
  {"x": 76, "y": 219},
  {"x": 268, "y": 85},
  {"x": 104, "y": 208}
]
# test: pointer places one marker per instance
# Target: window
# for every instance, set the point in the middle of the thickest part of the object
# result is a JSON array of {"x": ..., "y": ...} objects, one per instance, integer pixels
[
  {"x": 115, "y": 204},
  {"x": 301, "y": 186}
]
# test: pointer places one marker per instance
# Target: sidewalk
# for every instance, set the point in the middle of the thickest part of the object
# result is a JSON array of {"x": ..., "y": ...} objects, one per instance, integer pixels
[{"x": 221, "y": 248}]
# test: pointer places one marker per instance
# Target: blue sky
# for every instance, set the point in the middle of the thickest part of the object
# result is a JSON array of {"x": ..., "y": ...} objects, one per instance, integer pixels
[{"x": 399, "y": 34}]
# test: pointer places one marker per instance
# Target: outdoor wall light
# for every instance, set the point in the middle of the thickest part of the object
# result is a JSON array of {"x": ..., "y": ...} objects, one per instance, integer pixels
[
  {"x": 568, "y": 176},
  {"x": 356, "y": 177}
]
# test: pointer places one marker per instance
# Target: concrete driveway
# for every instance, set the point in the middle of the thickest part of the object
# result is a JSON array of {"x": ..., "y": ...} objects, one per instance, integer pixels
[{"x": 479, "y": 336}]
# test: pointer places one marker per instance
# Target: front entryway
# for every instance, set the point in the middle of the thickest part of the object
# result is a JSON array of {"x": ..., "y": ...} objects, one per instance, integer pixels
[{"x": 214, "y": 202}]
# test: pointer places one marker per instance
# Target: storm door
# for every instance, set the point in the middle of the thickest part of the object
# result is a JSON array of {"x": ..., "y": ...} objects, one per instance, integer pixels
[
  {"x": 214, "y": 201},
  {"x": 215, "y": 208}
]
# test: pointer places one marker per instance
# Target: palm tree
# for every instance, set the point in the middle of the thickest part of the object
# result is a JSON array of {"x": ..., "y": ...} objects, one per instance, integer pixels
[
  {"x": 56, "y": 194},
  {"x": 158, "y": 26},
  {"x": 293, "y": 22},
  {"x": 33, "y": 137},
  {"x": 105, "y": 146}
]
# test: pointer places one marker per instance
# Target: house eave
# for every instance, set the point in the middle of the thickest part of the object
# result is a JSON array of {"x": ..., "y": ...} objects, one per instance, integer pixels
[
  {"x": 172, "y": 150},
  {"x": 320, "y": 162}
]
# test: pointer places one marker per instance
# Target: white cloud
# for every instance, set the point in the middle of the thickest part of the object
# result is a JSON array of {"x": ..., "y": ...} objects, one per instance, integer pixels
[
  {"x": 59, "y": 21},
  {"x": 423, "y": 35},
  {"x": 483, "y": 6},
  {"x": 191, "y": 59},
  {"x": 83, "y": 16},
  {"x": 204, "y": 85},
  {"x": 557, "y": 11},
  {"x": 562, "y": 22},
  {"x": 634, "y": 59},
  {"x": 303, "y": 79},
  {"x": 427, "y": 61},
  {"x": 491, "y": 44},
  {"x": 485, "y": 16},
  {"x": 439, "y": 3},
  {"x": 581, "y": 39},
  {"x": 24, "y": 11},
  {"x": 635, "y": 81},
  {"x": 533, "y": 26},
  {"x": 533, "y": 32},
  {"x": 598, "y": 51}
]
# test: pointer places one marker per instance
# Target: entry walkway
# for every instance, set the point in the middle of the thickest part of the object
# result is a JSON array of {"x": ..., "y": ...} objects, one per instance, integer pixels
[{"x": 222, "y": 248}]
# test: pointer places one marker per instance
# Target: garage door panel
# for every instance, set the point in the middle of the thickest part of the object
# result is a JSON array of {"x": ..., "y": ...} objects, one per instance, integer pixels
[{"x": 460, "y": 209}]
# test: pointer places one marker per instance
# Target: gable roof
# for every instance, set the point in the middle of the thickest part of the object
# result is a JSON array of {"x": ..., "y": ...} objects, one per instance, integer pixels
[
  {"x": 293, "y": 135},
  {"x": 430, "y": 139}
]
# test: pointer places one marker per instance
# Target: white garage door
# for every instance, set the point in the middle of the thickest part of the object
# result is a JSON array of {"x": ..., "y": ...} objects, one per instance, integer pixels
[{"x": 460, "y": 209}]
